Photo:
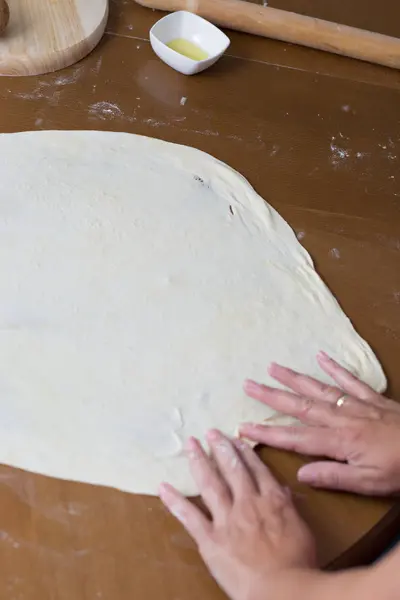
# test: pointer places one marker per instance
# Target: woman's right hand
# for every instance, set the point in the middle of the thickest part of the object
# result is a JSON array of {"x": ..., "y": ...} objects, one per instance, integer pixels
[{"x": 360, "y": 434}]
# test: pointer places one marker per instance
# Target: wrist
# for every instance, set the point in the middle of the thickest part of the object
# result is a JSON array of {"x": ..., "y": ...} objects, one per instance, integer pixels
[{"x": 313, "y": 584}]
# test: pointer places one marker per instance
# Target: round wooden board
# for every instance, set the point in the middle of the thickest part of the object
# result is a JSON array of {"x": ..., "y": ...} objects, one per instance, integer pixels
[{"x": 45, "y": 36}]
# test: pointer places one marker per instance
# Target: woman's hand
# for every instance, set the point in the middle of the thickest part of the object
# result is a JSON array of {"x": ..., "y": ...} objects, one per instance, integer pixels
[
  {"x": 254, "y": 531},
  {"x": 350, "y": 423}
]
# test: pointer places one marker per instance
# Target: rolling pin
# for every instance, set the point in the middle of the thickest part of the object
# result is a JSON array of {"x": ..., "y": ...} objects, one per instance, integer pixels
[
  {"x": 4, "y": 15},
  {"x": 291, "y": 27}
]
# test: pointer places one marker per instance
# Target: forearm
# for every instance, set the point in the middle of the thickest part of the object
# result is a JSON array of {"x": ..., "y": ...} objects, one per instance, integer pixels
[{"x": 367, "y": 583}]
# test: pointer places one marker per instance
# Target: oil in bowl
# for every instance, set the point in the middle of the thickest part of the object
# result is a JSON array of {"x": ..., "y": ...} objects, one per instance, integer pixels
[
  {"x": 188, "y": 49},
  {"x": 188, "y": 43}
]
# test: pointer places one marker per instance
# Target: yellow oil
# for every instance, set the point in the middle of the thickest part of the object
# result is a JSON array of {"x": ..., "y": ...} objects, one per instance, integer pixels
[{"x": 188, "y": 49}]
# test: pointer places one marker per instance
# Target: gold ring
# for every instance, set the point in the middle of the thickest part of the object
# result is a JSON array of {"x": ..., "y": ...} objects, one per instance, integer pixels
[{"x": 340, "y": 401}]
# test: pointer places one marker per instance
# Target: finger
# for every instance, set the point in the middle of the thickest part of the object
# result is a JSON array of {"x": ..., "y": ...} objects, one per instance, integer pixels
[
  {"x": 346, "y": 380},
  {"x": 304, "y": 385},
  {"x": 231, "y": 465},
  {"x": 194, "y": 521},
  {"x": 308, "y": 386},
  {"x": 313, "y": 441},
  {"x": 262, "y": 476},
  {"x": 210, "y": 484},
  {"x": 306, "y": 409},
  {"x": 340, "y": 476}
]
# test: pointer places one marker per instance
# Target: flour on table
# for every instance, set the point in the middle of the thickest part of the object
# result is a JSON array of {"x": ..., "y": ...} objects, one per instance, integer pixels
[{"x": 142, "y": 282}]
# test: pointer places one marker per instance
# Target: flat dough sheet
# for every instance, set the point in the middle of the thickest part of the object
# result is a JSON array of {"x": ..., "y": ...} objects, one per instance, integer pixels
[{"x": 142, "y": 282}]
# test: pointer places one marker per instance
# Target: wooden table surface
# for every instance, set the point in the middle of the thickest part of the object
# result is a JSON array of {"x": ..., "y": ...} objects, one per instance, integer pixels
[{"x": 319, "y": 138}]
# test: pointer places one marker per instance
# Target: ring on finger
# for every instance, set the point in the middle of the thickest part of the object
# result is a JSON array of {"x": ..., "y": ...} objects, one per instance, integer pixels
[{"x": 340, "y": 401}]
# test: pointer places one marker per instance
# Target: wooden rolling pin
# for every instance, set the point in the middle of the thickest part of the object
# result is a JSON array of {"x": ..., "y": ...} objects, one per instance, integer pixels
[
  {"x": 291, "y": 27},
  {"x": 4, "y": 15}
]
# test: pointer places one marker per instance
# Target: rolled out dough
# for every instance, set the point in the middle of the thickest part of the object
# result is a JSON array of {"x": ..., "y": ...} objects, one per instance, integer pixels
[{"x": 141, "y": 283}]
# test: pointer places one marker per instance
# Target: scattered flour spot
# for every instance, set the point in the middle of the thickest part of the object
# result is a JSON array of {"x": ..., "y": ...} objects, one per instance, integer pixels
[
  {"x": 38, "y": 122},
  {"x": 5, "y": 537},
  {"x": 339, "y": 154},
  {"x": 43, "y": 91},
  {"x": 207, "y": 132},
  {"x": 260, "y": 141},
  {"x": 183, "y": 101},
  {"x": 83, "y": 552},
  {"x": 314, "y": 170},
  {"x": 130, "y": 27},
  {"x": 300, "y": 235},
  {"x": 138, "y": 47},
  {"x": 334, "y": 253},
  {"x": 107, "y": 111},
  {"x": 75, "y": 508},
  {"x": 155, "y": 123},
  {"x": 97, "y": 68},
  {"x": 346, "y": 108},
  {"x": 275, "y": 150},
  {"x": 396, "y": 296},
  {"x": 68, "y": 79},
  {"x": 235, "y": 137}
]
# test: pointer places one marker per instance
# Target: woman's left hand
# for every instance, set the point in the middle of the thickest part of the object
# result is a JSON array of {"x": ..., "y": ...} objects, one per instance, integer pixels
[
  {"x": 254, "y": 531},
  {"x": 349, "y": 423}
]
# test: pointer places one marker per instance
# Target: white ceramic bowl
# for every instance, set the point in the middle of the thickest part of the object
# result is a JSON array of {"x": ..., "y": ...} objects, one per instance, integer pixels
[{"x": 195, "y": 29}]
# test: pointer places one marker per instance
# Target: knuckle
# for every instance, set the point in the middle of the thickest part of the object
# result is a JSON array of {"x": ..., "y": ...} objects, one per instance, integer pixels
[
  {"x": 376, "y": 414},
  {"x": 220, "y": 496},
  {"x": 246, "y": 513},
  {"x": 278, "y": 500},
  {"x": 352, "y": 437},
  {"x": 307, "y": 405},
  {"x": 295, "y": 440},
  {"x": 389, "y": 417},
  {"x": 329, "y": 479},
  {"x": 328, "y": 392}
]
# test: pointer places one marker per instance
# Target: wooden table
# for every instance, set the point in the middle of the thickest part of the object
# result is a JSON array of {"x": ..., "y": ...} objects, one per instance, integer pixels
[{"x": 319, "y": 137}]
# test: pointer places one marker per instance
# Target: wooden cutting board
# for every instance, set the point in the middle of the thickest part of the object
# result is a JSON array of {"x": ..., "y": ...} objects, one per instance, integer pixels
[{"x": 47, "y": 35}]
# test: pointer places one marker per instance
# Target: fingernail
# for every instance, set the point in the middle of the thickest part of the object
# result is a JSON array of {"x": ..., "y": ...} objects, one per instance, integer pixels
[
  {"x": 274, "y": 365},
  {"x": 246, "y": 427},
  {"x": 304, "y": 475},
  {"x": 192, "y": 447},
  {"x": 241, "y": 444},
  {"x": 214, "y": 435},
  {"x": 271, "y": 368},
  {"x": 163, "y": 489},
  {"x": 251, "y": 386}
]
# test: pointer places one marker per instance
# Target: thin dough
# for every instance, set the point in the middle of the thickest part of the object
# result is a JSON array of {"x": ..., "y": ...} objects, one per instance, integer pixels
[{"x": 141, "y": 283}]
